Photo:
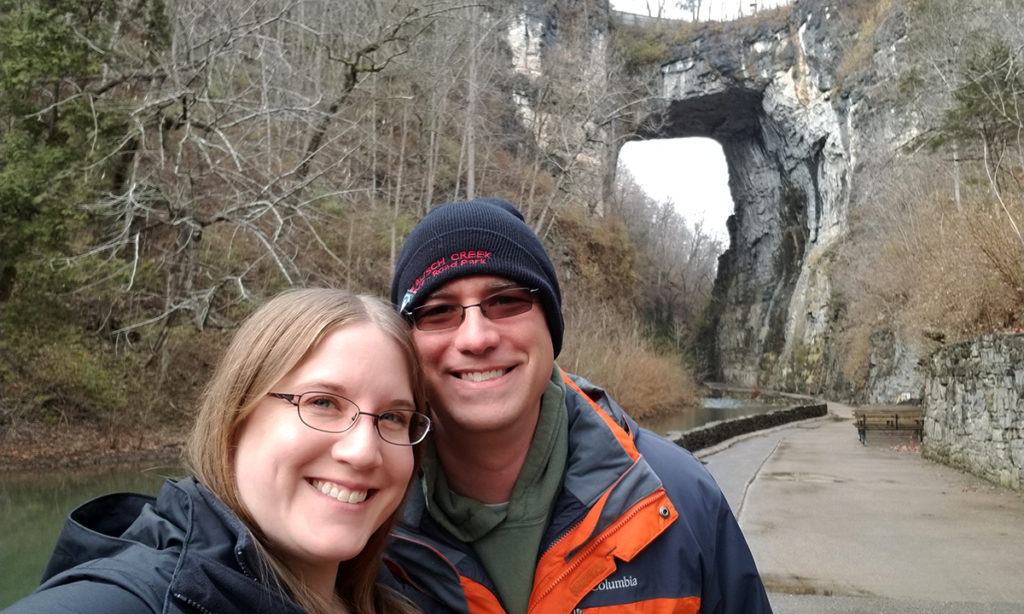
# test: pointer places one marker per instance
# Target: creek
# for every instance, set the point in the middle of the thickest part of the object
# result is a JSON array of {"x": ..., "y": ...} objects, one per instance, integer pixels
[
  {"x": 34, "y": 505},
  {"x": 712, "y": 409}
]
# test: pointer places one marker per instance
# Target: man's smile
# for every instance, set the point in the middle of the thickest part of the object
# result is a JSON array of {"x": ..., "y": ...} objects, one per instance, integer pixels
[{"x": 482, "y": 376}]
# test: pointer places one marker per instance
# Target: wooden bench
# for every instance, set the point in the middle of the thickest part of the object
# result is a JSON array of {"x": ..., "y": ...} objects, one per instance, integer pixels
[{"x": 888, "y": 418}]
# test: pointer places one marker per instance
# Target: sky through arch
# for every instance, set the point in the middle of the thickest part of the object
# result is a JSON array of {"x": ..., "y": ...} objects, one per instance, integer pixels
[
  {"x": 710, "y": 10},
  {"x": 691, "y": 172}
]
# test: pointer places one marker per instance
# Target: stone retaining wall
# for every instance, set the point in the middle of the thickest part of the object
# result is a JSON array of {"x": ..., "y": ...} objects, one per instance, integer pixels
[
  {"x": 974, "y": 408},
  {"x": 716, "y": 432}
]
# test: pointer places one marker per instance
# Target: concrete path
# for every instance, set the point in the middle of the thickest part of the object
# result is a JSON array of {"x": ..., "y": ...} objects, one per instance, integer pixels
[{"x": 840, "y": 527}]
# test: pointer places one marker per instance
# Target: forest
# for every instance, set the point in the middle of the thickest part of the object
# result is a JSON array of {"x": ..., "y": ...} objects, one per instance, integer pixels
[{"x": 168, "y": 165}]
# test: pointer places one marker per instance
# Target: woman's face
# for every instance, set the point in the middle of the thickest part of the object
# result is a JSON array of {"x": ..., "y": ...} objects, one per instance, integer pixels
[{"x": 284, "y": 466}]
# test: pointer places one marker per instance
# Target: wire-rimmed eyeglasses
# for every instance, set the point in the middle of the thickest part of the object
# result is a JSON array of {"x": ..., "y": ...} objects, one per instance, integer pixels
[
  {"x": 439, "y": 315},
  {"x": 333, "y": 413}
]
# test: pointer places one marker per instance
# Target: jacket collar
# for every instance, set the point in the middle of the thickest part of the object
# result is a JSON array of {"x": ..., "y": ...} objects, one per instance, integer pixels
[
  {"x": 602, "y": 457},
  {"x": 220, "y": 568},
  {"x": 185, "y": 532}
]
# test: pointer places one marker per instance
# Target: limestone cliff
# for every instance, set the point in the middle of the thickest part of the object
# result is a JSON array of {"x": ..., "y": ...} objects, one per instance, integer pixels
[{"x": 797, "y": 100}]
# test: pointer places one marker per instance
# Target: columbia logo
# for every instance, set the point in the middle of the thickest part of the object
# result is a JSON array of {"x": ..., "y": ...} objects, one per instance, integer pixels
[{"x": 611, "y": 585}]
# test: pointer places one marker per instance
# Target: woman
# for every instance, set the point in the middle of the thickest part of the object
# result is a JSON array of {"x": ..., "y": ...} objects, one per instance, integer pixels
[{"x": 302, "y": 451}]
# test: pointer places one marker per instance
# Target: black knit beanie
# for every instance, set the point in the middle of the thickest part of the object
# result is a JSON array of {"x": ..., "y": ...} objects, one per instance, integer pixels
[{"x": 485, "y": 236}]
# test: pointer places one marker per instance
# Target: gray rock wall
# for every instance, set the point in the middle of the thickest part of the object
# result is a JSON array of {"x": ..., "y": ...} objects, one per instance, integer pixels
[
  {"x": 974, "y": 416},
  {"x": 803, "y": 101},
  {"x": 796, "y": 138}
]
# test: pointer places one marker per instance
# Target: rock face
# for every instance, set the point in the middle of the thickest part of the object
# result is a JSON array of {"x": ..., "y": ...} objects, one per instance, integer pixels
[
  {"x": 802, "y": 102},
  {"x": 796, "y": 97},
  {"x": 767, "y": 90}
]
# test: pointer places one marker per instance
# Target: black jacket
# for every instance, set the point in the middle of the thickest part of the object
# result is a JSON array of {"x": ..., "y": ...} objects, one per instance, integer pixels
[{"x": 183, "y": 551}]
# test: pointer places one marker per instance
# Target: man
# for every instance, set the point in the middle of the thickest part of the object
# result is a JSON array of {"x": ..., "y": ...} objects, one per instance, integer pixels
[{"x": 538, "y": 493}]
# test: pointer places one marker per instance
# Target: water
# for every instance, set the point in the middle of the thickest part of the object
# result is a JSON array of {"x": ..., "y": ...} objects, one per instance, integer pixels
[
  {"x": 34, "y": 505},
  {"x": 712, "y": 409}
]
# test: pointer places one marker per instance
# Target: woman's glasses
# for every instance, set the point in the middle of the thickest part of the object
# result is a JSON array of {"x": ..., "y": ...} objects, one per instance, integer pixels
[{"x": 332, "y": 413}]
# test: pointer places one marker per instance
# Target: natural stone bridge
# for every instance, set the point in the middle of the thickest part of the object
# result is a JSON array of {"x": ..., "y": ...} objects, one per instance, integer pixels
[
  {"x": 767, "y": 90},
  {"x": 768, "y": 102},
  {"x": 791, "y": 134},
  {"x": 795, "y": 98}
]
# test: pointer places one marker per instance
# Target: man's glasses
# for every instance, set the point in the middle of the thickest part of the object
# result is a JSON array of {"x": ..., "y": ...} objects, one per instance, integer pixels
[
  {"x": 439, "y": 315},
  {"x": 332, "y": 413}
]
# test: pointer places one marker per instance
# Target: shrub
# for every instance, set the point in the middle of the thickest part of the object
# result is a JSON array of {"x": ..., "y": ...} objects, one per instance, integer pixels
[
  {"x": 609, "y": 349},
  {"x": 921, "y": 266}
]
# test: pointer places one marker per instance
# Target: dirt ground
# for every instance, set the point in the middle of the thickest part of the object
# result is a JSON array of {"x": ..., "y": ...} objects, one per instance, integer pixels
[{"x": 30, "y": 447}]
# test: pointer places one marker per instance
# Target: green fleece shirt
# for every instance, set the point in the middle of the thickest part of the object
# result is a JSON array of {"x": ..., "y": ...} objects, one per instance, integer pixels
[{"x": 507, "y": 537}]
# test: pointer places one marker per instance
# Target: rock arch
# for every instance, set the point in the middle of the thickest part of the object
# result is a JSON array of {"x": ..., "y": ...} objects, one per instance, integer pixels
[
  {"x": 768, "y": 102},
  {"x": 794, "y": 96}
]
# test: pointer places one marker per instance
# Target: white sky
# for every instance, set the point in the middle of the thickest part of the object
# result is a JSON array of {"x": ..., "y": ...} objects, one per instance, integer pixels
[
  {"x": 690, "y": 172},
  {"x": 709, "y": 9}
]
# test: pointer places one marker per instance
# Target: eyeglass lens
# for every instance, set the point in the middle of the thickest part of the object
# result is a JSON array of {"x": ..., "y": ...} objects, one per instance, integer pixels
[
  {"x": 335, "y": 414},
  {"x": 504, "y": 304}
]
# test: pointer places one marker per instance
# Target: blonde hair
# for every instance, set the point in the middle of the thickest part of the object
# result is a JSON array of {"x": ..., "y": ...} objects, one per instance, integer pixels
[{"x": 267, "y": 346}]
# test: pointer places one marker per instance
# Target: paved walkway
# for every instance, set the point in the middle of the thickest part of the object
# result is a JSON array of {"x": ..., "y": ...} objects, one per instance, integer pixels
[{"x": 840, "y": 527}]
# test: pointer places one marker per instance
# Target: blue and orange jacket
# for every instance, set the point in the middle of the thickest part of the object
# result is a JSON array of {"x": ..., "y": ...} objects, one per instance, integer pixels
[{"x": 639, "y": 527}]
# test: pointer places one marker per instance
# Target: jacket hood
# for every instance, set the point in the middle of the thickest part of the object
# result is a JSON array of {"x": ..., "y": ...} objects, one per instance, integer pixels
[{"x": 183, "y": 544}]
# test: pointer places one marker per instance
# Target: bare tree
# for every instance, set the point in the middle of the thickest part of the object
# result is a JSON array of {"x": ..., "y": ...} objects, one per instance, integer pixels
[
  {"x": 693, "y": 6},
  {"x": 971, "y": 55},
  {"x": 573, "y": 116},
  {"x": 244, "y": 127},
  {"x": 676, "y": 262}
]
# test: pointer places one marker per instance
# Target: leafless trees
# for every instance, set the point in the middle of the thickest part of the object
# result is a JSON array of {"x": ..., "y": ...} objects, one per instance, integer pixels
[
  {"x": 969, "y": 59},
  {"x": 279, "y": 128},
  {"x": 676, "y": 266},
  {"x": 223, "y": 151},
  {"x": 248, "y": 129}
]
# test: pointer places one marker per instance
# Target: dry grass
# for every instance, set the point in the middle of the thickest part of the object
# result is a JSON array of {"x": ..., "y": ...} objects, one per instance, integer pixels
[
  {"x": 865, "y": 18},
  {"x": 30, "y": 447},
  {"x": 608, "y": 349},
  {"x": 957, "y": 271},
  {"x": 927, "y": 268}
]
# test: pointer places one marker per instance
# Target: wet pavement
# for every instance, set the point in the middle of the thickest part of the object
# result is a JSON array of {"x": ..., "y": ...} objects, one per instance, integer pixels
[{"x": 840, "y": 527}]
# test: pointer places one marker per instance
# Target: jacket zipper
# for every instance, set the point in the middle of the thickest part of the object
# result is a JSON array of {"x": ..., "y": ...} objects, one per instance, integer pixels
[
  {"x": 192, "y": 603},
  {"x": 582, "y": 555}
]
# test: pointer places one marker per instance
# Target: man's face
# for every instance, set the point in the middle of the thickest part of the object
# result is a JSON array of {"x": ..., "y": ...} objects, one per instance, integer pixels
[{"x": 485, "y": 375}]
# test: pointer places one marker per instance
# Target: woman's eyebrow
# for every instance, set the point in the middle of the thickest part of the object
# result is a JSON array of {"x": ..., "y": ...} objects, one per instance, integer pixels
[
  {"x": 322, "y": 386},
  {"x": 325, "y": 386}
]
